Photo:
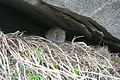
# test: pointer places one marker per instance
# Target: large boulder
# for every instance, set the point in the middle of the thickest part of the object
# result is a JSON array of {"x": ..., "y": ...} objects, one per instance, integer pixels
[
  {"x": 54, "y": 16},
  {"x": 105, "y": 12}
]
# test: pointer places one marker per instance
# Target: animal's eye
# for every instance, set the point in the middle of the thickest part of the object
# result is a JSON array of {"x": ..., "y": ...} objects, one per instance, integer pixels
[{"x": 56, "y": 36}]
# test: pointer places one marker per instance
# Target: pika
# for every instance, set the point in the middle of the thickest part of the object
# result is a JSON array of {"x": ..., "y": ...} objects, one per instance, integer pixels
[{"x": 56, "y": 35}]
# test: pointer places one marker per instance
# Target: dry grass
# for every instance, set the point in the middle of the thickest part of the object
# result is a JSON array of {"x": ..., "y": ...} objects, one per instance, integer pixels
[{"x": 37, "y": 58}]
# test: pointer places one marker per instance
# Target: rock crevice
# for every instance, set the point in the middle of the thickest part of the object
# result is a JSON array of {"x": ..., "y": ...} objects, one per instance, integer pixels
[{"x": 52, "y": 16}]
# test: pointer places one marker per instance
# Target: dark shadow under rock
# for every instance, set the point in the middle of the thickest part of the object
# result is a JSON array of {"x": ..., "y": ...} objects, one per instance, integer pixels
[{"x": 12, "y": 20}]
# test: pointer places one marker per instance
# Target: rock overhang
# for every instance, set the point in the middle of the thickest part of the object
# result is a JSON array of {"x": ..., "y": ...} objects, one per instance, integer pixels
[{"x": 48, "y": 16}]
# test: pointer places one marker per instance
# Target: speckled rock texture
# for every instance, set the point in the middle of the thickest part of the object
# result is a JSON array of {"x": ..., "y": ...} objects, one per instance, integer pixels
[{"x": 105, "y": 12}]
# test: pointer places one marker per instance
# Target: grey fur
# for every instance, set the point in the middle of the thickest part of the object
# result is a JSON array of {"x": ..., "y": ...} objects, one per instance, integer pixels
[{"x": 56, "y": 35}]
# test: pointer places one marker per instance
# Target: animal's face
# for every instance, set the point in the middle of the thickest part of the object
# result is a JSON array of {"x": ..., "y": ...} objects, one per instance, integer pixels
[{"x": 58, "y": 36}]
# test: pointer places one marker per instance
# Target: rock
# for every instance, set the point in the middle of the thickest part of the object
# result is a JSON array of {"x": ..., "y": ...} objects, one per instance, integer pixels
[
  {"x": 53, "y": 16},
  {"x": 105, "y": 12}
]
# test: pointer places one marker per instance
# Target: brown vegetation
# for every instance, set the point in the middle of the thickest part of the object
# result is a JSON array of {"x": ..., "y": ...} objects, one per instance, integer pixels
[{"x": 34, "y": 57}]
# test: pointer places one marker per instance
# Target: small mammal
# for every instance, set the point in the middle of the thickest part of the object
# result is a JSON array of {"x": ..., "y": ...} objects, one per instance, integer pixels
[{"x": 56, "y": 35}]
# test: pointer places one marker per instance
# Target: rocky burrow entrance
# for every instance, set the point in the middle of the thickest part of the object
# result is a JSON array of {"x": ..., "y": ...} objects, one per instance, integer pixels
[{"x": 38, "y": 20}]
